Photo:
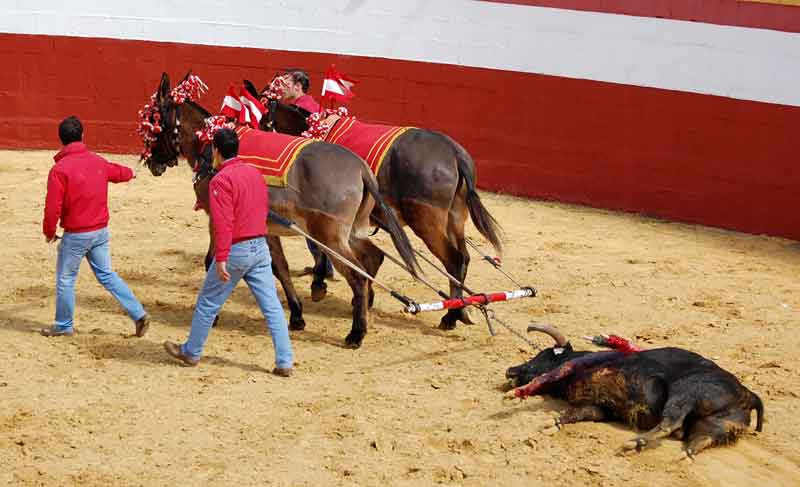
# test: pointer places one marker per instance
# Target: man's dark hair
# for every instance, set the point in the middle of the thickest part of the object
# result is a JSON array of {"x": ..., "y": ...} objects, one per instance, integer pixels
[
  {"x": 70, "y": 130},
  {"x": 300, "y": 76},
  {"x": 227, "y": 143}
]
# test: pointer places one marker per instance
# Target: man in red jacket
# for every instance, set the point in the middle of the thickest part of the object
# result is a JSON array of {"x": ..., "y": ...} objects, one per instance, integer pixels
[
  {"x": 238, "y": 201},
  {"x": 77, "y": 194},
  {"x": 297, "y": 91}
]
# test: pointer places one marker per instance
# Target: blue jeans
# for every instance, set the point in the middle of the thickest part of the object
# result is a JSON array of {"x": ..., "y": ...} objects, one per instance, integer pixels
[
  {"x": 248, "y": 260},
  {"x": 316, "y": 252},
  {"x": 71, "y": 251}
]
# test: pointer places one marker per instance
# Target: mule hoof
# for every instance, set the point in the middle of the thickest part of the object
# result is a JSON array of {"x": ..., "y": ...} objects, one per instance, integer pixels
[
  {"x": 297, "y": 324},
  {"x": 447, "y": 323},
  {"x": 318, "y": 291},
  {"x": 354, "y": 340},
  {"x": 466, "y": 317}
]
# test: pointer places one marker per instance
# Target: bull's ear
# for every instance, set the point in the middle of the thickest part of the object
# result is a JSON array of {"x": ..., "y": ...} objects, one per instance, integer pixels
[
  {"x": 188, "y": 73},
  {"x": 163, "y": 87}
]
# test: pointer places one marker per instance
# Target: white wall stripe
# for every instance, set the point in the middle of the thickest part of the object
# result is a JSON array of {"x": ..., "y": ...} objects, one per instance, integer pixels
[{"x": 737, "y": 62}]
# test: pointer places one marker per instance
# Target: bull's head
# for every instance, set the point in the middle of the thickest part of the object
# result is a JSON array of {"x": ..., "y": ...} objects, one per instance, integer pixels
[{"x": 546, "y": 360}]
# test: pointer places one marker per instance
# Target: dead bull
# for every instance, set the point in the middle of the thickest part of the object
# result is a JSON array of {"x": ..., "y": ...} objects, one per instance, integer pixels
[{"x": 664, "y": 391}]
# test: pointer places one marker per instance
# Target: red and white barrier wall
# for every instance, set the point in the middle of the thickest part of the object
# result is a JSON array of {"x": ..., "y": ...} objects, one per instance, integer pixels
[{"x": 674, "y": 108}]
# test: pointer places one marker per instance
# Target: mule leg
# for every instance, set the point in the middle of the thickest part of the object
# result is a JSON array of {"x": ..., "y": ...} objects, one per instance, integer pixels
[
  {"x": 431, "y": 225},
  {"x": 371, "y": 258},
  {"x": 457, "y": 218},
  {"x": 358, "y": 284},
  {"x": 280, "y": 267},
  {"x": 337, "y": 236}
]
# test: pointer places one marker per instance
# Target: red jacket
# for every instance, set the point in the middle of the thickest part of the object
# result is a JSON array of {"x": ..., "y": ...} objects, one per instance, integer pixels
[
  {"x": 308, "y": 103},
  {"x": 77, "y": 190},
  {"x": 239, "y": 200}
]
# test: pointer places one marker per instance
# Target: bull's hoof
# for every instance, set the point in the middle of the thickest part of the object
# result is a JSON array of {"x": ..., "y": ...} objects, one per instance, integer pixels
[
  {"x": 297, "y": 323},
  {"x": 353, "y": 340},
  {"x": 466, "y": 316},
  {"x": 318, "y": 291},
  {"x": 216, "y": 321},
  {"x": 631, "y": 447},
  {"x": 371, "y": 298}
]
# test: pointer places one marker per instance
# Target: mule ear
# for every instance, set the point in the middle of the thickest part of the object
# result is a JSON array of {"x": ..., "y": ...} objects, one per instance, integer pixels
[
  {"x": 163, "y": 87},
  {"x": 250, "y": 87}
]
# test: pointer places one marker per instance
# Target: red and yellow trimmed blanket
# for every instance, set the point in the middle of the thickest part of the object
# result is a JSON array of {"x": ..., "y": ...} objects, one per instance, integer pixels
[
  {"x": 270, "y": 152},
  {"x": 370, "y": 141}
]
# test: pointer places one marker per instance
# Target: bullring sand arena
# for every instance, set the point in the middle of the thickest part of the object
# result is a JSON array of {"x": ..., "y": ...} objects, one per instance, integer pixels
[
  {"x": 640, "y": 156},
  {"x": 414, "y": 405}
]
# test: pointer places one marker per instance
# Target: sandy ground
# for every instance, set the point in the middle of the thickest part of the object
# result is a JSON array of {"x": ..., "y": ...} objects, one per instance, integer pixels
[{"x": 413, "y": 406}]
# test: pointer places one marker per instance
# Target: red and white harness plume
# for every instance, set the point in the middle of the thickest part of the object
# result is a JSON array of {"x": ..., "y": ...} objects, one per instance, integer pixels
[
  {"x": 245, "y": 108},
  {"x": 150, "y": 116}
]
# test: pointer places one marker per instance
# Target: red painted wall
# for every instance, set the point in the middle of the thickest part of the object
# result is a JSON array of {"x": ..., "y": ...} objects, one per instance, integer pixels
[
  {"x": 682, "y": 156},
  {"x": 723, "y": 12}
]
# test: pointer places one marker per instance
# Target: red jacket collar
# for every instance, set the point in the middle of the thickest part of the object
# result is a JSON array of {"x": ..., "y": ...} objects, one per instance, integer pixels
[
  {"x": 230, "y": 162},
  {"x": 69, "y": 149}
]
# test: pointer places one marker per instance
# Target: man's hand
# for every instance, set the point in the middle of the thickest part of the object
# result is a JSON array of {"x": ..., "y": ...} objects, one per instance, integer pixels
[
  {"x": 222, "y": 272},
  {"x": 133, "y": 170},
  {"x": 51, "y": 239}
]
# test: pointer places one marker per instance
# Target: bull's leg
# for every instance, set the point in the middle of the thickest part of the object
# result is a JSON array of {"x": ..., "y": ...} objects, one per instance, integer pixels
[
  {"x": 718, "y": 429},
  {"x": 431, "y": 225},
  {"x": 677, "y": 407},
  {"x": 280, "y": 267},
  {"x": 371, "y": 258},
  {"x": 578, "y": 414}
]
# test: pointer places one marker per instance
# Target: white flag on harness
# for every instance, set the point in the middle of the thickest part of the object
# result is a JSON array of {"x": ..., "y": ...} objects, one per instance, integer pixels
[{"x": 337, "y": 86}]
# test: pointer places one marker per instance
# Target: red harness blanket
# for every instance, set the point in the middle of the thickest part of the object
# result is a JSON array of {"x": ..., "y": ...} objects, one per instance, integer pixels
[
  {"x": 371, "y": 142},
  {"x": 270, "y": 152}
]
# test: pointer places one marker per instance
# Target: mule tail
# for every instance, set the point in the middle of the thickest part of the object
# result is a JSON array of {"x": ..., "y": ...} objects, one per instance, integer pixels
[
  {"x": 390, "y": 223},
  {"x": 755, "y": 403},
  {"x": 481, "y": 218}
]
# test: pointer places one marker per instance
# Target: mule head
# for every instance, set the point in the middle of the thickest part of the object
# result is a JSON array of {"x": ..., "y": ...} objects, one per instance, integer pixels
[
  {"x": 177, "y": 125},
  {"x": 281, "y": 117},
  {"x": 546, "y": 360}
]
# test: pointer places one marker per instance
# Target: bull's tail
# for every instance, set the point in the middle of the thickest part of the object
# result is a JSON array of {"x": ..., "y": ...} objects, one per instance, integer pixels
[
  {"x": 755, "y": 403},
  {"x": 390, "y": 223},
  {"x": 481, "y": 218}
]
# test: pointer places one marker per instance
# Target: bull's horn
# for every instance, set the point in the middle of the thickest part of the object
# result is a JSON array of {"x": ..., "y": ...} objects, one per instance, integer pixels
[{"x": 550, "y": 330}]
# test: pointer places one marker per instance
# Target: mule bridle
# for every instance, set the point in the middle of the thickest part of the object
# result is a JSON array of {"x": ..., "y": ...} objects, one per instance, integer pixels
[{"x": 272, "y": 107}]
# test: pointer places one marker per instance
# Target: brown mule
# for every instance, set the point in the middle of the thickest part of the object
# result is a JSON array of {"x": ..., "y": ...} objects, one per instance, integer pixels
[
  {"x": 429, "y": 180},
  {"x": 330, "y": 195}
]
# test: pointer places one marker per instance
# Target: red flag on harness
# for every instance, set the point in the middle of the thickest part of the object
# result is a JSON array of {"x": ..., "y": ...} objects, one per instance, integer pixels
[
  {"x": 252, "y": 109},
  {"x": 244, "y": 108},
  {"x": 337, "y": 86},
  {"x": 230, "y": 104}
]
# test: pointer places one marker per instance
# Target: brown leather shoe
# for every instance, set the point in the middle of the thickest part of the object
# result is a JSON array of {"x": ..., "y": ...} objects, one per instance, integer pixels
[
  {"x": 282, "y": 372},
  {"x": 142, "y": 325},
  {"x": 174, "y": 350},
  {"x": 56, "y": 332}
]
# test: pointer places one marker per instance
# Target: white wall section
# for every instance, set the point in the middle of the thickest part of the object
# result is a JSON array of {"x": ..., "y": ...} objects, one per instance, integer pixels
[{"x": 743, "y": 63}]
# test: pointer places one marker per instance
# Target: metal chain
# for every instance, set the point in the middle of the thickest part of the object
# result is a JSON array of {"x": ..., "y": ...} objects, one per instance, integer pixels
[{"x": 490, "y": 314}]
